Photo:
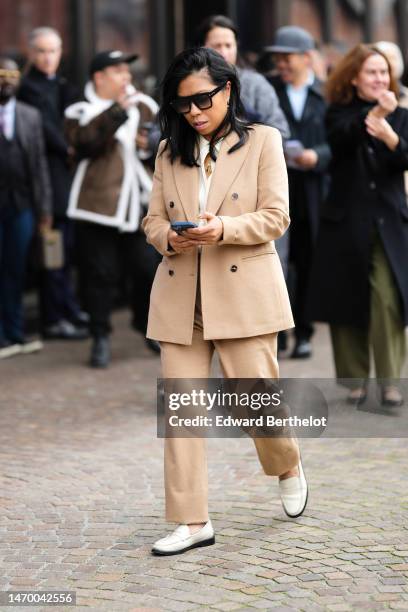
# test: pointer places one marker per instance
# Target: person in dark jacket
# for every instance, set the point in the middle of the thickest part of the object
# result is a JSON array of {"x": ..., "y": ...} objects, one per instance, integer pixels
[
  {"x": 359, "y": 280},
  {"x": 218, "y": 32},
  {"x": 308, "y": 155},
  {"x": 43, "y": 88},
  {"x": 25, "y": 202}
]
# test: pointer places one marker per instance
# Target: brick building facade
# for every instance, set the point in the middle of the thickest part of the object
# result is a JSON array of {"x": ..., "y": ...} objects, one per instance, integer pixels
[{"x": 156, "y": 29}]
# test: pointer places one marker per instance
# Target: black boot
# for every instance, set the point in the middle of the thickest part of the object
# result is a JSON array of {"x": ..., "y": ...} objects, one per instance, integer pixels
[
  {"x": 100, "y": 352},
  {"x": 153, "y": 345},
  {"x": 302, "y": 350}
]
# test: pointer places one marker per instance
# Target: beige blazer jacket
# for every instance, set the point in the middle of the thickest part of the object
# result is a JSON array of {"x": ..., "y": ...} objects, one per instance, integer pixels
[{"x": 243, "y": 290}]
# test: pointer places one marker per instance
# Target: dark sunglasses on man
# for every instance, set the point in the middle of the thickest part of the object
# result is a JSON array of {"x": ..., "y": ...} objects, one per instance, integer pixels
[
  {"x": 203, "y": 101},
  {"x": 7, "y": 74}
]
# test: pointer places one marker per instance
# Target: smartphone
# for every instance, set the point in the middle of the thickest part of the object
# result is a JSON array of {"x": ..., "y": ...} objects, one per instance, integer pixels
[{"x": 180, "y": 226}]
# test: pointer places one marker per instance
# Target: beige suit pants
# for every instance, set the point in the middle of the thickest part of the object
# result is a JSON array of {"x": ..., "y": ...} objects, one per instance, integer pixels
[{"x": 185, "y": 459}]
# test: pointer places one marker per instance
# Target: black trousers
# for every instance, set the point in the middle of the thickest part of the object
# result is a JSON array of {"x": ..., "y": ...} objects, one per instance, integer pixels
[
  {"x": 108, "y": 258},
  {"x": 300, "y": 258},
  {"x": 139, "y": 273},
  {"x": 57, "y": 295}
]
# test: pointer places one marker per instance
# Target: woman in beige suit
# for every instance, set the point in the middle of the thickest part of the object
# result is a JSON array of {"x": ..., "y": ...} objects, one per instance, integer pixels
[{"x": 219, "y": 286}]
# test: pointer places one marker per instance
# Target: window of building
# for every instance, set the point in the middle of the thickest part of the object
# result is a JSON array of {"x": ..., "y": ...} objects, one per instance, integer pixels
[
  {"x": 19, "y": 17},
  {"x": 124, "y": 25}
]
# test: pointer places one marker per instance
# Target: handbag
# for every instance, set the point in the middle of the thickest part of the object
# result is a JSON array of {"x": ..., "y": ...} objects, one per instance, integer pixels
[{"x": 52, "y": 252}]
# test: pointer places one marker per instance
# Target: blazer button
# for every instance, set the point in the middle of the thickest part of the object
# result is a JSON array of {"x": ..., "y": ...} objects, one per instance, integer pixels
[
  {"x": 234, "y": 268},
  {"x": 171, "y": 204},
  {"x": 234, "y": 196},
  {"x": 373, "y": 185},
  {"x": 171, "y": 272}
]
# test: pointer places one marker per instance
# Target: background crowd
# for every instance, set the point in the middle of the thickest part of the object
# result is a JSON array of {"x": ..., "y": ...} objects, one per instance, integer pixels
[{"x": 75, "y": 177}]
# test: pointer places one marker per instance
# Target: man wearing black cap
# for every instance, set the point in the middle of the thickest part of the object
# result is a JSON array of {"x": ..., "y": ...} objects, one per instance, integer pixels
[
  {"x": 110, "y": 185},
  {"x": 307, "y": 155}
]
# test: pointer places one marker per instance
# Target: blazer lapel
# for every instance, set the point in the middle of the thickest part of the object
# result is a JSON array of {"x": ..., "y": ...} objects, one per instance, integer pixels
[
  {"x": 284, "y": 101},
  {"x": 187, "y": 183},
  {"x": 309, "y": 107},
  {"x": 19, "y": 130},
  {"x": 286, "y": 106},
  {"x": 226, "y": 170},
  {"x": 313, "y": 92}
]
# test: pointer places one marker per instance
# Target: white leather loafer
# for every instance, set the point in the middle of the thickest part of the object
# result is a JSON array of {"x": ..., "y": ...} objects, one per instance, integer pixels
[
  {"x": 293, "y": 493},
  {"x": 181, "y": 540}
]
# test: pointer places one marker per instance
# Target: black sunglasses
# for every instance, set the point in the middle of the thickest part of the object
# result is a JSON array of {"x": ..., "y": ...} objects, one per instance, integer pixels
[
  {"x": 203, "y": 101},
  {"x": 9, "y": 74}
]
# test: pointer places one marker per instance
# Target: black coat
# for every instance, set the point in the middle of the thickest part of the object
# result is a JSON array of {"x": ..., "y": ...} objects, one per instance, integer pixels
[
  {"x": 307, "y": 189},
  {"x": 29, "y": 133},
  {"x": 366, "y": 194},
  {"x": 51, "y": 97}
]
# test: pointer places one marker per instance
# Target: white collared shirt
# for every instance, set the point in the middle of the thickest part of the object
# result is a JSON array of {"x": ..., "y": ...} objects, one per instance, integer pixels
[
  {"x": 298, "y": 95},
  {"x": 8, "y": 118},
  {"x": 205, "y": 181}
]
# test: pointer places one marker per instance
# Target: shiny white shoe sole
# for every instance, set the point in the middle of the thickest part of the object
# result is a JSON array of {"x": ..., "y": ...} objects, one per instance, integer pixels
[
  {"x": 167, "y": 553},
  {"x": 182, "y": 540}
]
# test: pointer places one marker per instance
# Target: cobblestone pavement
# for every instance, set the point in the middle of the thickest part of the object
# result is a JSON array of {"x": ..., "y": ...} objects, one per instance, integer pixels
[{"x": 81, "y": 500}]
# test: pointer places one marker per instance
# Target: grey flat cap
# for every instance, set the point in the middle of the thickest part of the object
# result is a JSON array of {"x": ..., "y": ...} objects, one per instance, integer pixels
[{"x": 291, "y": 39}]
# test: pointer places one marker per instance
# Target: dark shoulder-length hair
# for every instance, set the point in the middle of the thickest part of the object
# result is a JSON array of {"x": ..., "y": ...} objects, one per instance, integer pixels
[
  {"x": 181, "y": 137},
  {"x": 211, "y": 22},
  {"x": 339, "y": 87},
  {"x": 218, "y": 21}
]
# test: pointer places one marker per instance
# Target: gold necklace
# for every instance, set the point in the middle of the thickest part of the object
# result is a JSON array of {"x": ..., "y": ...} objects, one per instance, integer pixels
[{"x": 207, "y": 165}]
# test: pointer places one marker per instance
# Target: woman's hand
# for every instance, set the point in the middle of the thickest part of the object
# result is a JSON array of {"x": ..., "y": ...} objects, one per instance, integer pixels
[
  {"x": 381, "y": 129},
  {"x": 307, "y": 159},
  {"x": 45, "y": 223},
  {"x": 208, "y": 234},
  {"x": 180, "y": 244},
  {"x": 386, "y": 104},
  {"x": 125, "y": 100}
]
